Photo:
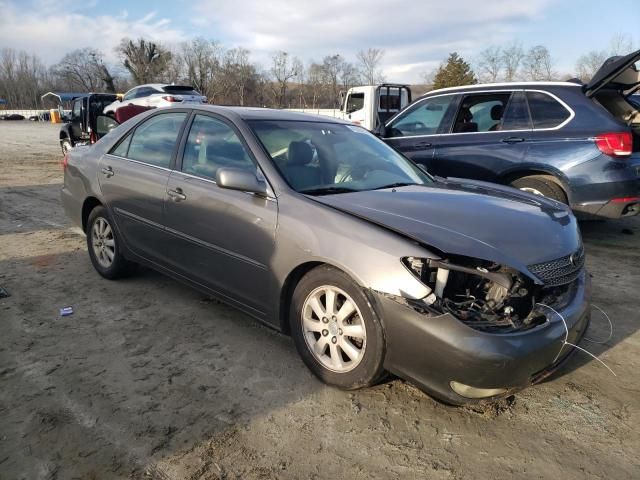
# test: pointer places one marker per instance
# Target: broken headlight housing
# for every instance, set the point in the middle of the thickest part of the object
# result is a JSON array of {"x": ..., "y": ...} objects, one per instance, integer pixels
[{"x": 483, "y": 295}]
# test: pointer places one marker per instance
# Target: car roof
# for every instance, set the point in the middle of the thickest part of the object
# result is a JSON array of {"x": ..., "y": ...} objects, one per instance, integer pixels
[
  {"x": 257, "y": 113},
  {"x": 483, "y": 86}
]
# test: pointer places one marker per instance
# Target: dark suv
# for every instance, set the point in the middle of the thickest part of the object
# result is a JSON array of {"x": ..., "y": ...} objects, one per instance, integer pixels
[{"x": 579, "y": 144}]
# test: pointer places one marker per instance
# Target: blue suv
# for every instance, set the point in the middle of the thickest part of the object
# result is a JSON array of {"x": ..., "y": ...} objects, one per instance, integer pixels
[{"x": 578, "y": 144}]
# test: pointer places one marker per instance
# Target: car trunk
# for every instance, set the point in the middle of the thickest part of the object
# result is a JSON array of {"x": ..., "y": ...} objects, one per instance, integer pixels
[
  {"x": 612, "y": 84},
  {"x": 615, "y": 102},
  {"x": 185, "y": 92}
]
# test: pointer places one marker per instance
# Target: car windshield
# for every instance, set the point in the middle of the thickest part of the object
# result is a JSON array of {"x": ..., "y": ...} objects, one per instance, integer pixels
[{"x": 322, "y": 158}]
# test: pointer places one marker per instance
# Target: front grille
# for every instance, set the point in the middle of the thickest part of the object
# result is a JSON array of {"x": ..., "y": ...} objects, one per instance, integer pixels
[{"x": 561, "y": 270}]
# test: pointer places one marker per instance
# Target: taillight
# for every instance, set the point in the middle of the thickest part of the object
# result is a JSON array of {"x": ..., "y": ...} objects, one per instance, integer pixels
[
  {"x": 615, "y": 144},
  {"x": 625, "y": 199},
  {"x": 93, "y": 138},
  {"x": 65, "y": 161},
  {"x": 172, "y": 99}
]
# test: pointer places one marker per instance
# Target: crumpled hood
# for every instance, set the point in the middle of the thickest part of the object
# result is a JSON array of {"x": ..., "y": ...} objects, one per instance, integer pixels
[{"x": 471, "y": 218}]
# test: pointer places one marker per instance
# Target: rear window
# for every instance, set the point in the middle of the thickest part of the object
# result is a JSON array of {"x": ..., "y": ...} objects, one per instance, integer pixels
[
  {"x": 546, "y": 111},
  {"x": 180, "y": 90}
]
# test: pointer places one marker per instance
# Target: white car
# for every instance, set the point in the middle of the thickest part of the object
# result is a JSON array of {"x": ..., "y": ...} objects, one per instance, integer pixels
[{"x": 156, "y": 95}]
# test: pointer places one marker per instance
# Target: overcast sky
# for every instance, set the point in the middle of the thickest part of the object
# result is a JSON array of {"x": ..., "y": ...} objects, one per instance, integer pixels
[{"x": 416, "y": 35}]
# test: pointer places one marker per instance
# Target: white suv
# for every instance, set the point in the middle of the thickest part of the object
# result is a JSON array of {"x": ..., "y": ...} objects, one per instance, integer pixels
[{"x": 156, "y": 95}]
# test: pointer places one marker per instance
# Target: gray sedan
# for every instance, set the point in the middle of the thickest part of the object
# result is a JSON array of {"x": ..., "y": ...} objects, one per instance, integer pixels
[{"x": 320, "y": 230}]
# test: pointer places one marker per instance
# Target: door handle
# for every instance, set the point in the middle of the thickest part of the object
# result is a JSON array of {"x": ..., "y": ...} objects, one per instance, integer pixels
[
  {"x": 176, "y": 195},
  {"x": 513, "y": 140},
  {"x": 107, "y": 172},
  {"x": 422, "y": 145}
]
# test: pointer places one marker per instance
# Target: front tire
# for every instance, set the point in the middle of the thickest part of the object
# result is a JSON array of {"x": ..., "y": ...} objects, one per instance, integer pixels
[
  {"x": 103, "y": 244},
  {"x": 65, "y": 144},
  {"x": 336, "y": 331}
]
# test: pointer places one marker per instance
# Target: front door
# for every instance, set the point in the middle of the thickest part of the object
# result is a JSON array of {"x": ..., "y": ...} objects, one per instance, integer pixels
[
  {"x": 133, "y": 177},
  {"x": 489, "y": 136},
  {"x": 220, "y": 238},
  {"x": 415, "y": 132}
]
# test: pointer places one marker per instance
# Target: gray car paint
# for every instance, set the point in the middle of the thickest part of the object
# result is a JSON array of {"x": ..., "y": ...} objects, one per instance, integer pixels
[
  {"x": 270, "y": 240},
  {"x": 466, "y": 218}
]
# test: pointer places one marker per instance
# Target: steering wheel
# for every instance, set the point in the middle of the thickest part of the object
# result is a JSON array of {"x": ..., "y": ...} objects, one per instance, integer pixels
[{"x": 349, "y": 174}]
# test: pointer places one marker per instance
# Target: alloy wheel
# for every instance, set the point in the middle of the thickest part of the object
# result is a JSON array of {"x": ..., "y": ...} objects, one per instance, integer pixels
[
  {"x": 334, "y": 329},
  {"x": 103, "y": 242}
]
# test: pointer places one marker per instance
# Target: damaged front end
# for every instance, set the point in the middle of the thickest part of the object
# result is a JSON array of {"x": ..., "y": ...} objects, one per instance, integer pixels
[{"x": 483, "y": 295}]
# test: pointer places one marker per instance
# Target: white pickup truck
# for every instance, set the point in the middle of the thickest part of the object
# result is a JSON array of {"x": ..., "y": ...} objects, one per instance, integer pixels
[{"x": 367, "y": 105}]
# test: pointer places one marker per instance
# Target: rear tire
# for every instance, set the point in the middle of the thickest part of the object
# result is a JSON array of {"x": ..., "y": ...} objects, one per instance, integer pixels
[
  {"x": 336, "y": 331},
  {"x": 541, "y": 185},
  {"x": 103, "y": 244}
]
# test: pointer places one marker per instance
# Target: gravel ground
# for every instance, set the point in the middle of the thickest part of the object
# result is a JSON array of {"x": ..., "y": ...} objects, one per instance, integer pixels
[{"x": 149, "y": 379}]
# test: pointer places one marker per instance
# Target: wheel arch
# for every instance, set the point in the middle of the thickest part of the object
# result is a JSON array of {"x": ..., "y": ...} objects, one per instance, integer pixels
[
  {"x": 552, "y": 174},
  {"x": 64, "y": 134},
  {"x": 88, "y": 205},
  {"x": 288, "y": 287}
]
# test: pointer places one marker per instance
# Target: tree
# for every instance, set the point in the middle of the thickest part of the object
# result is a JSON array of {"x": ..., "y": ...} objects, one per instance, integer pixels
[
  {"x": 315, "y": 77},
  {"x": 369, "y": 63},
  {"x": 490, "y": 64},
  {"x": 202, "y": 64},
  {"x": 537, "y": 64},
  {"x": 511, "y": 58},
  {"x": 588, "y": 64},
  {"x": 238, "y": 76},
  {"x": 453, "y": 73},
  {"x": 146, "y": 61},
  {"x": 84, "y": 70},
  {"x": 283, "y": 69},
  {"x": 621, "y": 44},
  {"x": 23, "y": 78}
]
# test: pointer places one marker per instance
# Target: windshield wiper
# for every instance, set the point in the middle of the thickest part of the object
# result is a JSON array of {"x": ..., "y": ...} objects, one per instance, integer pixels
[
  {"x": 397, "y": 184},
  {"x": 326, "y": 190}
]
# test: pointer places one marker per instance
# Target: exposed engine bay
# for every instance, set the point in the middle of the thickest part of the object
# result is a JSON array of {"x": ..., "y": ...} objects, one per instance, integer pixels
[{"x": 483, "y": 295}]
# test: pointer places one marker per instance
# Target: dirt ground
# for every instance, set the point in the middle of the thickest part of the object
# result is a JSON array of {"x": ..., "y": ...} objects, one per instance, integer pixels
[{"x": 149, "y": 379}]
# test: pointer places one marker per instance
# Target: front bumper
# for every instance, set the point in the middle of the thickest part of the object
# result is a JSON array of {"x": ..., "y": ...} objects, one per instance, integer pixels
[{"x": 432, "y": 351}]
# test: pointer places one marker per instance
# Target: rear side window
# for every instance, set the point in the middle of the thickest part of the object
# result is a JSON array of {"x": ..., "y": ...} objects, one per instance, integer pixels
[
  {"x": 424, "y": 119},
  {"x": 154, "y": 140},
  {"x": 516, "y": 116},
  {"x": 180, "y": 90},
  {"x": 481, "y": 112},
  {"x": 212, "y": 144},
  {"x": 123, "y": 147},
  {"x": 546, "y": 111}
]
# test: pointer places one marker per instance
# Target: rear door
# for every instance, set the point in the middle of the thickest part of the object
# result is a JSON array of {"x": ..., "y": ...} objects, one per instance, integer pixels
[
  {"x": 133, "y": 177},
  {"x": 488, "y": 136},
  {"x": 415, "y": 131},
  {"x": 220, "y": 238},
  {"x": 76, "y": 120}
]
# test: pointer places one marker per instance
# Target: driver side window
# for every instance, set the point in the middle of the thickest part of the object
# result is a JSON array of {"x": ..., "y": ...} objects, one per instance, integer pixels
[{"x": 423, "y": 119}]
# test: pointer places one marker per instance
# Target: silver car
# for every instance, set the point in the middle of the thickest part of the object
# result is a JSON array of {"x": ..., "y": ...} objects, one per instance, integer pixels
[{"x": 320, "y": 230}]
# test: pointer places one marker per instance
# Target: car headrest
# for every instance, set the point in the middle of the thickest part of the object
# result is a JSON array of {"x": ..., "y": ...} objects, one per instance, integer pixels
[
  {"x": 465, "y": 114},
  {"x": 496, "y": 112},
  {"x": 300, "y": 153}
]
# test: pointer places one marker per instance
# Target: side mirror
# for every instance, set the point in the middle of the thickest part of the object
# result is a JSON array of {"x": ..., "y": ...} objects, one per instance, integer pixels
[
  {"x": 105, "y": 124},
  {"x": 239, "y": 179}
]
